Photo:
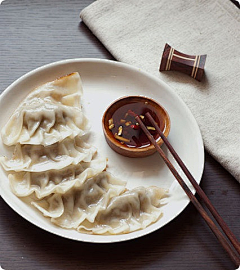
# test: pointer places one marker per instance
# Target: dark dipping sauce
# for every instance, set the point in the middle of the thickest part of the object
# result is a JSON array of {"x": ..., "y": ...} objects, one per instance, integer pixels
[{"x": 126, "y": 129}]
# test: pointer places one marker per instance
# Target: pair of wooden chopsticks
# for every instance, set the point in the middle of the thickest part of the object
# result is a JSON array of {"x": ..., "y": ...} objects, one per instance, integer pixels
[{"x": 234, "y": 254}]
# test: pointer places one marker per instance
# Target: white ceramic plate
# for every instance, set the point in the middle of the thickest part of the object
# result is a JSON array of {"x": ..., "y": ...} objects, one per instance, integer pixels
[{"x": 103, "y": 82}]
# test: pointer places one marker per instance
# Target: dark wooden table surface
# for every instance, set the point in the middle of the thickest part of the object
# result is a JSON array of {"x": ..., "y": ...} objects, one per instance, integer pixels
[{"x": 34, "y": 33}]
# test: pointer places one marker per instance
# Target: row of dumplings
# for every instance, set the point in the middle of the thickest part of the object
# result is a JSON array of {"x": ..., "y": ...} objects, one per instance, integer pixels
[{"x": 62, "y": 174}]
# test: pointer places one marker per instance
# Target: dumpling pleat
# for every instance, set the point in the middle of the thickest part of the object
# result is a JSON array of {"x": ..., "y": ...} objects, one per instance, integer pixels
[
  {"x": 133, "y": 210},
  {"x": 37, "y": 158},
  {"x": 83, "y": 202},
  {"x": 46, "y": 183}
]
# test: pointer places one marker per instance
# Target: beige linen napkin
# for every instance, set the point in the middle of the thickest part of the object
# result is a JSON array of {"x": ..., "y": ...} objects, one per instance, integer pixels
[{"x": 135, "y": 32}]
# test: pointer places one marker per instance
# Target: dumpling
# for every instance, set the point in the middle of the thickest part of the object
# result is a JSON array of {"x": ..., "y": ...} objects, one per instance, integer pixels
[
  {"x": 54, "y": 181},
  {"x": 47, "y": 119},
  {"x": 69, "y": 210},
  {"x": 66, "y": 90},
  {"x": 37, "y": 158},
  {"x": 45, "y": 123},
  {"x": 133, "y": 210}
]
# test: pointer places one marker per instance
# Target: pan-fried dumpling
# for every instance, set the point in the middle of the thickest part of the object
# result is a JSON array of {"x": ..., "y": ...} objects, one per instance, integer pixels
[
  {"x": 133, "y": 210},
  {"x": 46, "y": 119},
  {"x": 67, "y": 90},
  {"x": 84, "y": 202},
  {"x": 37, "y": 158},
  {"x": 45, "y": 123},
  {"x": 54, "y": 181}
]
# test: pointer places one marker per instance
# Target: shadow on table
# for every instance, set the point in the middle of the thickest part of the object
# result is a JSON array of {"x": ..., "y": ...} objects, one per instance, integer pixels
[{"x": 98, "y": 46}]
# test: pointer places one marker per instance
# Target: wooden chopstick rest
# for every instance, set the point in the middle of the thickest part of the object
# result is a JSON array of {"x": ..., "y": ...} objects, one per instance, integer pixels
[{"x": 192, "y": 65}]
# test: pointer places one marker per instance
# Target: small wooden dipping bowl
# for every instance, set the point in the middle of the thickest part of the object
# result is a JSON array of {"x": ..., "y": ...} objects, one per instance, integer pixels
[{"x": 117, "y": 114}]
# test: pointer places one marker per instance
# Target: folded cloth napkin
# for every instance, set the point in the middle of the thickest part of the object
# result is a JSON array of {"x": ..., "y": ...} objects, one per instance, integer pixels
[{"x": 135, "y": 32}]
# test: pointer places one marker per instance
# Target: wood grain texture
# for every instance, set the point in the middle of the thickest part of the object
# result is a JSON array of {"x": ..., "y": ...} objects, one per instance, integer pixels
[
  {"x": 34, "y": 33},
  {"x": 192, "y": 65}
]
